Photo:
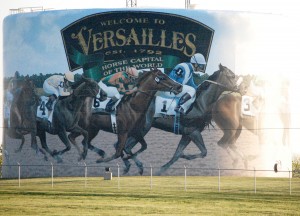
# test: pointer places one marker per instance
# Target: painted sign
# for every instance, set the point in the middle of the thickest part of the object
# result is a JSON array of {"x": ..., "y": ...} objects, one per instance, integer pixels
[
  {"x": 101, "y": 43},
  {"x": 107, "y": 43}
]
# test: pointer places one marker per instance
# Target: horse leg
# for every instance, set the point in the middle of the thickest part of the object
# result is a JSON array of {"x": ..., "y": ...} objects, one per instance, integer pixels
[
  {"x": 134, "y": 156},
  {"x": 34, "y": 143},
  {"x": 144, "y": 145},
  {"x": 21, "y": 146},
  {"x": 64, "y": 138},
  {"x": 185, "y": 140},
  {"x": 76, "y": 131},
  {"x": 119, "y": 148},
  {"x": 196, "y": 137},
  {"x": 131, "y": 142},
  {"x": 92, "y": 134},
  {"x": 72, "y": 138},
  {"x": 42, "y": 136}
]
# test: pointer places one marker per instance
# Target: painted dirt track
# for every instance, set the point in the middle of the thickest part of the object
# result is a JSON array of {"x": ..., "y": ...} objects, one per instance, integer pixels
[{"x": 161, "y": 147}]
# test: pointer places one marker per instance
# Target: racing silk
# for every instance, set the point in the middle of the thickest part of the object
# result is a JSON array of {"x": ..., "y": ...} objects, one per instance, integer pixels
[
  {"x": 57, "y": 82},
  {"x": 119, "y": 80},
  {"x": 183, "y": 73}
]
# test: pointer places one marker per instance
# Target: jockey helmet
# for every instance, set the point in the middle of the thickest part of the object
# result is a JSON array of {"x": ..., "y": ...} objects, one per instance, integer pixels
[
  {"x": 131, "y": 71},
  {"x": 69, "y": 76},
  {"x": 198, "y": 59}
]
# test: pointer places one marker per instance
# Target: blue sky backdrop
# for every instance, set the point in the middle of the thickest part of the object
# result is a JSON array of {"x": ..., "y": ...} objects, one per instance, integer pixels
[{"x": 33, "y": 43}]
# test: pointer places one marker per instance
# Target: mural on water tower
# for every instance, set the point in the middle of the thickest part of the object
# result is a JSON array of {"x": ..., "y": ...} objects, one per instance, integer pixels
[{"x": 171, "y": 86}]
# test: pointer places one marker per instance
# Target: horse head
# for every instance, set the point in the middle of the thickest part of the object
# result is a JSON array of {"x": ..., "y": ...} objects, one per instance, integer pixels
[
  {"x": 243, "y": 83},
  {"x": 223, "y": 78},
  {"x": 227, "y": 78},
  {"x": 158, "y": 81},
  {"x": 28, "y": 96},
  {"x": 88, "y": 88}
]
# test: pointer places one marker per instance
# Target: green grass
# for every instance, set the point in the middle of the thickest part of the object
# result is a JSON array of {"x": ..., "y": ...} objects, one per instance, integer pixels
[{"x": 133, "y": 196}]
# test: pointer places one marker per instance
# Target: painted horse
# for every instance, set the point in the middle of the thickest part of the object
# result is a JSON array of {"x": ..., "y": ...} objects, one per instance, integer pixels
[
  {"x": 67, "y": 113},
  {"x": 192, "y": 123},
  {"x": 130, "y": 112},
  {"x": 227, "y": 114},
  {"x": 23, "y": 113}
]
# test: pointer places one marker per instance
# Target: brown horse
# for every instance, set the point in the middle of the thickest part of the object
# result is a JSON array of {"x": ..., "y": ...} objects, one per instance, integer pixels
[
  {"x": 66, "y": 115},
  {"x": 192, "y": 123},
  {"x": 23, "y": 113},
  {"x": 131, "y": 111},
  {"x": 226, "y": 113}
]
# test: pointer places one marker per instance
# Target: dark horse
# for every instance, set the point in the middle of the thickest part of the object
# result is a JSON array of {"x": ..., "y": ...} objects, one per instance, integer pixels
[
  {"x": 227, "y": 115},
  {"x": 66, "y": 115},
  {"x": 23, "y": 113},
  {"x": 191, "y": 124},
  {"x": 131, "y": 111}
]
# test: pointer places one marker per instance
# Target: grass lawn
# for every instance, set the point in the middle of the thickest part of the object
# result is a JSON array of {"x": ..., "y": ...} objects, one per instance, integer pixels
[{"x": 134, "y": 196}]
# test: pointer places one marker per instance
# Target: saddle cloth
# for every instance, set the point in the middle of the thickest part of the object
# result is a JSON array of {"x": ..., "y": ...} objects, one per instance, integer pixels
[
  {"x": 100, "y": 105},
  {"x": 165, "y": 106},
  {"x": 247, "y": 106},
  {"x": 42, "y": 111}
]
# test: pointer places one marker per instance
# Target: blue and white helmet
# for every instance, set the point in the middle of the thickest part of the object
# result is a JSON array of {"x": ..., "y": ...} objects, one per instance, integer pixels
[{"x": 198, "y": 59}]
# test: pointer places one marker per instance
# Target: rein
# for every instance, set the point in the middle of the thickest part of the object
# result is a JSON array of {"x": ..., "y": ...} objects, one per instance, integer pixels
[{"x": 221, "y": 85}]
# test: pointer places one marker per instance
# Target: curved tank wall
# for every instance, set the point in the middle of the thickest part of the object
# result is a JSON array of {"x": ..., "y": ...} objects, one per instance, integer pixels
[{"x": 98, "y": 43}]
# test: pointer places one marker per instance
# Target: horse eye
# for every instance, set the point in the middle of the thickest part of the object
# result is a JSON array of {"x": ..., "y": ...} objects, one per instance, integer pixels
[{"x": 157, "y": 79}]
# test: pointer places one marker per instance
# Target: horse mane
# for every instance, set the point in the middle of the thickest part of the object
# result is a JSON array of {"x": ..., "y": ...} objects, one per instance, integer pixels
[
  {"x": 204, "y": 85},
  {"x": 142, "y": 76}
]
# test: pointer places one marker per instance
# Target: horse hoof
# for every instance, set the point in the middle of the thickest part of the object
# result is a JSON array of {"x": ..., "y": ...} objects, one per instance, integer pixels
[
  {"x": 203, "y": 155},
  {"x": 35, "y": 147},
  {"x": 126, "y": 170},
  {"x": 103, "y": 155},
  {"x": 141, "y": 171},
  {"x": 72, "y": 140},
  {"x": 159, "y": 173},
  {"x": 54, "y": 153},
  {"x": 99, "y": 160},
  {"x": 58, "y": 159}
]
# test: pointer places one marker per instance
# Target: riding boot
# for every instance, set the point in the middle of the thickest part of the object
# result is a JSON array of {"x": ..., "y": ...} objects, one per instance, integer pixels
[
  {"x": 110, "y": 104},
  {"x": 181, "y": 101},
  {"x": 49, "y": 104},
  {"x": 45, "y": 124}
]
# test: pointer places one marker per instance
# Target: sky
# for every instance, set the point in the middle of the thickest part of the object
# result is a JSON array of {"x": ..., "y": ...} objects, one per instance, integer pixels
[
  {"x": 265, "y": 6},
  {"x": 264, "y": 40}
]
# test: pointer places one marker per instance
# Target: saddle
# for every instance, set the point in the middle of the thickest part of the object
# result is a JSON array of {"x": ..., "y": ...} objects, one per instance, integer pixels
[
  {"x": 43, "y": 111},
  {"x": 165, "y": 106}
]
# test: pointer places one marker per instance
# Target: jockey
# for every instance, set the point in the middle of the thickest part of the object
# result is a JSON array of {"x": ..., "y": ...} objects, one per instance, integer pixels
[
  {"x": 58, "y": 85},
  {"x": 116, "y": 85},
  {"x": 183, "y": 73}
]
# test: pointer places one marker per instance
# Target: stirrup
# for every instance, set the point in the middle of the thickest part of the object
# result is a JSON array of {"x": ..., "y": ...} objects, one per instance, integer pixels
[
  {"x": 109, "y": 109},
  {"x": 49, "y": 105},
  {"x": 179, "y": 109}
]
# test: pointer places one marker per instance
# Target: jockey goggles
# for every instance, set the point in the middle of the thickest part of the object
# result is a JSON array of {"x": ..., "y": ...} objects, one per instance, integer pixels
[{"x": 201, "y": 66}]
